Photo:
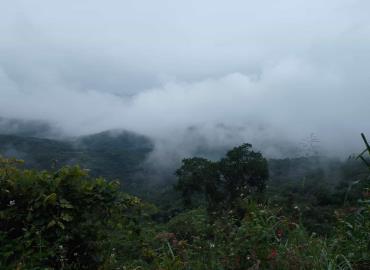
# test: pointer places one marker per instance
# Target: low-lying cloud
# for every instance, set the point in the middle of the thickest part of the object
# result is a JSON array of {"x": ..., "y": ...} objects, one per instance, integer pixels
[{"x": 192, "y": 75}]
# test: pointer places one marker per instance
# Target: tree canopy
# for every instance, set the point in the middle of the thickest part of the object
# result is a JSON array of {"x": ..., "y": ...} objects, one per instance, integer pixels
[{"x": 240, "y": 173}]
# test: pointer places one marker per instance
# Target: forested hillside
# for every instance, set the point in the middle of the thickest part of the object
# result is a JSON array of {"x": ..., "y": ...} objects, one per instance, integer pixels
[
  {"x": 112, "y": 154},
  {"x": 220, "y": 214}
]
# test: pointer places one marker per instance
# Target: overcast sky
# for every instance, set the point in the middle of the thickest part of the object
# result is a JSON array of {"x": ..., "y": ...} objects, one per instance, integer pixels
[{"x": 191, "y": 72}]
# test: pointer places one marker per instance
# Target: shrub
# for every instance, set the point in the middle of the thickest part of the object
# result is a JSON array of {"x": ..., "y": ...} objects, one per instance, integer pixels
[{"x": 53, "y": 219}]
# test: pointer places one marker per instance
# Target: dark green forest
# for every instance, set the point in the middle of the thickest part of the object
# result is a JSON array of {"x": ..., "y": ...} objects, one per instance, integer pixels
[{"x": 89, "y": 203}]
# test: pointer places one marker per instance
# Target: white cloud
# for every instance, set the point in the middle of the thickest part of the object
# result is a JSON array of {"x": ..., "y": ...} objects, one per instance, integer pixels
[{"x": 257, "y": 71}]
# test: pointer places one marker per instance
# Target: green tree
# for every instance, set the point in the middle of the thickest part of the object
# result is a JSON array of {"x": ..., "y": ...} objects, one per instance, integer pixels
[
  {"x": 240, "y": 173},
  {"x": 243, "y": 172},
  {"x": 56, "y": 219}
]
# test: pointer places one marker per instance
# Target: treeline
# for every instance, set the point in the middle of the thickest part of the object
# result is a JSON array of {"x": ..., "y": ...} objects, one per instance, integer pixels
[{"x": 229, "y": 217}]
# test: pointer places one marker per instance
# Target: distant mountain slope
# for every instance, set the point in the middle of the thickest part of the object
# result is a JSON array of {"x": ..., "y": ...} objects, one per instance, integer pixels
[
  {"x": 29, "y": 128},
  {"x": 112, "y": 154},
  {"x": 37, "y": 152}
]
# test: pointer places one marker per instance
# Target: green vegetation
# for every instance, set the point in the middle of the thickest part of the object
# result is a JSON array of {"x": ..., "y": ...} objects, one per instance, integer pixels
[
  {"x": 56, "y": 219},
  {"x": 112, "y": 154},
  {"x": 224, "y": 183},
  {"x": 232, "y": 217}
]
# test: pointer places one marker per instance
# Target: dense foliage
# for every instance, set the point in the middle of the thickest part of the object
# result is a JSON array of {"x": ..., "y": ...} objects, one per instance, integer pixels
[
  {"x": 55, "y": 219},
  {"x": 114, "y": 154},
  {"x": 64, "y": 219},
  {"x": 223, "y": 183}
]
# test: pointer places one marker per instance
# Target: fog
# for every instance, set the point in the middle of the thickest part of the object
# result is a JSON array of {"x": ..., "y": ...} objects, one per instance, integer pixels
[{"x": 192, "y": 74}]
